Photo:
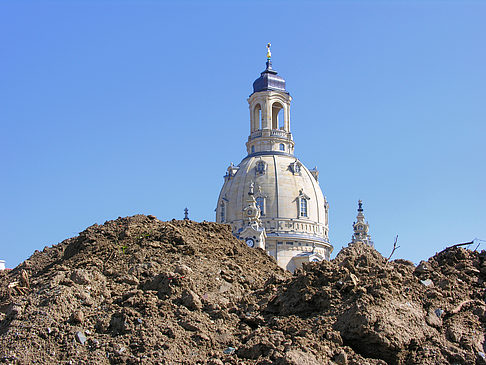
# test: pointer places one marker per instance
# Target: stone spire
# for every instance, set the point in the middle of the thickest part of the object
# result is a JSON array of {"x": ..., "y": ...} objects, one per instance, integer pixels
[{"x": 361, "y": 227}]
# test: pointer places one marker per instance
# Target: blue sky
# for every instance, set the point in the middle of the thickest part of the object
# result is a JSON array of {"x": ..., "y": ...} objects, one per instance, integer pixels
[{"x": 113, "y": 108}]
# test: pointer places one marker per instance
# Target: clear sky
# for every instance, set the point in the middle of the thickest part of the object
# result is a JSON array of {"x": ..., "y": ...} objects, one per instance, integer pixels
[{"x": 113, "y": 108}]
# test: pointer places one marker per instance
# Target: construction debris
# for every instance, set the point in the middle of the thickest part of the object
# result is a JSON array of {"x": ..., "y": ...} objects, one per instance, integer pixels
[{"x": 140, "y": 291}]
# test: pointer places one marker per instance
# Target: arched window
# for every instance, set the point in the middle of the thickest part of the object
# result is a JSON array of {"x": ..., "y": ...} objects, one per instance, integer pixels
[
  {"x": 282, "y": 147},
  {"x": 303, "y": 207},
  {"x": 260, "y": 202},
  {"x": 257, "y": 118},
  {"x": 252, "y": 149},
  {"x": 277, "y": 115},
  {"x": 222, "y": 212},
  {"x": 280, "y": 119}
]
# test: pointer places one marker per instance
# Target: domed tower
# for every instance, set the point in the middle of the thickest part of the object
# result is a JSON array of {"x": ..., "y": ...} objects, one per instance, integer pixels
[
  {"x": 361, "y": 227},
  {"x": 292, "y": 209}
]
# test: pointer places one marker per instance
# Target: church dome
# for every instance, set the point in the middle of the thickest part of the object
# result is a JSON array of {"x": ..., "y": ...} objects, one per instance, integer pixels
[
  {"x": 292, "y": 218},
  {"x": 288, "y": 195}
]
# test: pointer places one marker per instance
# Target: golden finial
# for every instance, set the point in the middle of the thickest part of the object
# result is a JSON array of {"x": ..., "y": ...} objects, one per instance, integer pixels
[{"x": 269, "y": 54}]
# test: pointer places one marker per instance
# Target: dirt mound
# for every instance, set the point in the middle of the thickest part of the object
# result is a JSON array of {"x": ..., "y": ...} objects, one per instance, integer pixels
[
  {"x": 138, "y": 290},
  {"x": 430, "y": 314}
]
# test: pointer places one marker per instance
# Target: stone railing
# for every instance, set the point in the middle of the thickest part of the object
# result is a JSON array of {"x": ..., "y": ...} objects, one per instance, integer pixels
[{"x": 278, "y": 133}]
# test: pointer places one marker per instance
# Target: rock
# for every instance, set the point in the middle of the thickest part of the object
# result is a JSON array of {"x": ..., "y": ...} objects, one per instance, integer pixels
[
  {"x": 427, "y": 282},
  {"x": 189, "y": 326},
  {"x": 298, "y": 357},
  {"x": 77, "y": 316},
  {"x": 129, "y": 279},
  {"x": 13, "y": 310},
  {"x": 229, "y": 351},
  {"x": 439, "y": 312},
  {"x": 80, "y": 276},
  {"x": 352, "y": 278},
  {"x": 80, "y": 337},
  {"x": 183, "y": 270},
  {"x": 334, "y": 337},
  {"x": 94, "y": 343},
  {"x": 341, "y": 358},
  {"x": 191, "y": 300},
  {"x": 433, "y": 319},
  {"x": 118, "y": 323},
  {"x": 422, "y": 267}
]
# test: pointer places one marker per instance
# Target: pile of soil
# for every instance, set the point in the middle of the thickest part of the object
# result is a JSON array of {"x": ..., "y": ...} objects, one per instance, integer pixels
[{"x": 140, "y": 291}]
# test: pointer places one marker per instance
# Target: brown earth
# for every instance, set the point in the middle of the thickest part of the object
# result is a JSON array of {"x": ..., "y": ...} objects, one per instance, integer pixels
[{"x": 140, "y": 291}]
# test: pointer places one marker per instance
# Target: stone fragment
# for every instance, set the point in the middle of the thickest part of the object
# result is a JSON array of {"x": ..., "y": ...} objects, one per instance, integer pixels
[
  {"x": 433, "y": 319},
  {"x": 183, "y": 270},
  {"x": 80, "y": 276},
  {"x": 189, "y": 326},
  {"x": 80, "y": 337},
  {"x": 13, "y": 310},
  {"x": 191, "y": 300},
  {"x": 77, "y": 316},
  {"x": 298, "y": 357},
  {"x": 341, "y": 358},
  {"x": 94, "y": 343},
  {"x": 422, "y": 267},
  {"x": 229, "y": 350},
  {"x": 129, "y": 279},
  {"x": 427, "y": 282}
]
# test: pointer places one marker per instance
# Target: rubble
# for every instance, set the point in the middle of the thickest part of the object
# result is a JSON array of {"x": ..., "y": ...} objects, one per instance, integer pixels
[{"x": 138, "y": 290}]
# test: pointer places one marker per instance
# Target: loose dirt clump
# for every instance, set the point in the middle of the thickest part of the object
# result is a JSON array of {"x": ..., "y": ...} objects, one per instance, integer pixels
[{"x": 140, "y": 291}]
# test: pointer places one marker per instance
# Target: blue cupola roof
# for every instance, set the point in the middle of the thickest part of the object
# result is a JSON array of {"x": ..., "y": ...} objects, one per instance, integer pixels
[{"x": 269, "y": 80}]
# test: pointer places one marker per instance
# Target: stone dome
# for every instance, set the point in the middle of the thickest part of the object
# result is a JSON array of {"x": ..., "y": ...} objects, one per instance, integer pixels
[{"x": 291, "y": 223}]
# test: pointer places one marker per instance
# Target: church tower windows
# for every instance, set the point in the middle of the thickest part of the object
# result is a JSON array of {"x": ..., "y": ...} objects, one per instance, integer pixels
[
  {"x": 277, "y": 116},
  {"x": 257, "y": 118}
]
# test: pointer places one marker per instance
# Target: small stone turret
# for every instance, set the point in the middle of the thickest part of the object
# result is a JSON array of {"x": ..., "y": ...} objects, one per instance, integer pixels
[{"x": 361, "y": 227}]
